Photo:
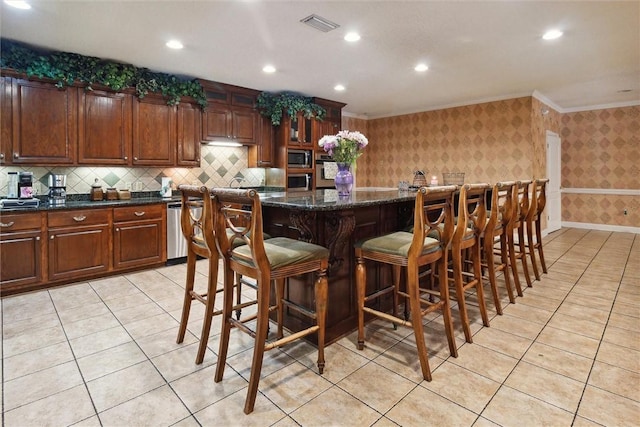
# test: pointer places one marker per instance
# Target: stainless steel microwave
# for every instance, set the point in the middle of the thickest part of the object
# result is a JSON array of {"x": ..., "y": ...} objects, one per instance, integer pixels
[
  {"x": 300, "y": 159},
  {"x": 299, "y": 182}
]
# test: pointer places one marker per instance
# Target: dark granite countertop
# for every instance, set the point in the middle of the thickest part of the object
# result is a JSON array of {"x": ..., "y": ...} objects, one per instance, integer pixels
[
  {"x": 327, "y": 200},
  {"x": 83, "y": 202}
]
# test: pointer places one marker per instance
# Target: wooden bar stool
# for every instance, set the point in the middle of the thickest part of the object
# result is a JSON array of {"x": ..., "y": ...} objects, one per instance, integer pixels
[
  {"x": 524, "y": 206},
  {"x": 433, "y": 213},
  {"x": 495, "y": 232},
  {"x": 276, "y": 259},
  {"x": 538, "y": 202},
  {"x": 507, "y": 202}
]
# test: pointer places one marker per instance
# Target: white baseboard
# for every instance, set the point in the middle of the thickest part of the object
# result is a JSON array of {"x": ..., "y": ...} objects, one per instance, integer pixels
[{"x": 601, "y": 227}]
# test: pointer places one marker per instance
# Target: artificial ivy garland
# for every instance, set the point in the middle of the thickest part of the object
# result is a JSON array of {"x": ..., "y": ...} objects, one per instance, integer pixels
[
  {"x": 273, "y": 105},
  {"x": 67, "y": 68}
]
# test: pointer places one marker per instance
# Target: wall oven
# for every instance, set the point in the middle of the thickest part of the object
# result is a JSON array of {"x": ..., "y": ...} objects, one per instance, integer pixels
[
  {"x": 299, "y": 182},
  {"x": 323, "y": 179},
  {"x": 299, "y": 159}
]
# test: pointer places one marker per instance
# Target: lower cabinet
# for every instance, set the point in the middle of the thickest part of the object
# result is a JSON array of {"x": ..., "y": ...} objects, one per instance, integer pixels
[
  {"x": 139, "y": 236},
  {"x": 20, "y": 250},
  {"x": 78, "y": 243}
]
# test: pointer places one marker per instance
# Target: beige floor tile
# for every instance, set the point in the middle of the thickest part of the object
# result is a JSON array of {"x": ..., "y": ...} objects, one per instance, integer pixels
[
  {"x": 621, "y": 357},
  {"x": 517, "y": 326},
  {"x": 562, "y": 362},
  {"x": 99, "y": 341},
  {"x": 138, "y": 312},
  {"x": 41, "y": 384},
  {"x": 569, "y": 341},
  {"x": 238, "y": 342},
  {"x": 83, "y": 312},
  {"x": 529, "y": 313},
  {"x": 127, "y": 301},
  {"x": 110, "y": 360},
  {"x": 36, "y": 360},
  {"x": 510, "y": 407},
  {"x": 187, "y": 422},
  {"x": 624, "y": 322},
  {"x": 151, "y": 325},
  {"x": 93, "y": 421},
  {"x": 230, "y": 412},
  {"x": 626, "y": 309},
  {"x": 504, "y": 342},
  {"x": 68, "y": 297},
  {"x": 272, "y": 361},
  {"x": 584, "y": 312},
  {"x": 484, "y": 361},
  {"x": 592, "y": 291},
  {"x": 583, "y": 422},
  {"x": 20, "y": 307},
  {"x": 32, "y": 339},
  {"x": 622, "y": 337},
  {"x": 64, "y": 408},
  {"x": 13, "y": 329},
  {"x": 374, "y": 343},
  {"x": 615, "y": 380},
  {"x": 383, "y": 422},
  {"x": 462, "y": 386},
  {"x": 608, "y": 409},
  {"x": 90, "y": 325},
  {"x": 436, "y": 339},
  {"x": 413, "y": 410},
  {"x": 377, "y": 386},
  {"x": 158, "y": 407},
  {"x": 115, "y": 388},
  {"x": 333, "y": 407},
  {"x": 546, "y": 385},
  {"x": 113, "y": 287},
  {"x": 340, "y": 361},
  {"x": 178, "y": 363},
  {"x": 546, "y": 289},
  {"x": 163, "y": 342},
  {"x": 403, "y": 359},
  {"x": 538, "y": 301},
  {"x": 198, "y": 390},
  {"x": 293, "y": 386},
  {"x": 578, "y": 325},
  {"x": 589, "y": 301}
]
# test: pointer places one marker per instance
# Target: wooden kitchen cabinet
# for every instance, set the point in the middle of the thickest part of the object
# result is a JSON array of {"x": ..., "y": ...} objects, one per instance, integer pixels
[
  {"x": 139, "y": 236},
  {"x": 262, "y": 154},
  {"x": 189, "y": 122},
  {"x": 44, "y": 123},
  {"x": 6, "y": 134},
  {"x": 154, "y": 132},
  {"x": 104, "y": 131},
  {"x": 331, "y": 124},
  {"x": 21, "y": 251},
  {"x": 230, "y": 123},
  {"x": 79, "y": 243}
]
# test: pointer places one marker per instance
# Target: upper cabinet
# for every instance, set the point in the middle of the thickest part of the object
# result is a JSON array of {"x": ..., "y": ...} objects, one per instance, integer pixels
[
  {"x": 104, "y": 131},
  {"x": 230, "y": 115},
  {"x": 154, "y": 132},
  {"x": 44, "y": 122},
  {"x": 189, "y": 122},
  {"x": 332, "y": 122}
]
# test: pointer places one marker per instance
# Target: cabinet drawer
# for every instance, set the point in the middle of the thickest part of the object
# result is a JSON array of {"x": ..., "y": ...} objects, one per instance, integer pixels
[
  {"x": 137, "y": 213},
  {"x": 78, "y": 217},
  {"x": 19, "y": 221}
]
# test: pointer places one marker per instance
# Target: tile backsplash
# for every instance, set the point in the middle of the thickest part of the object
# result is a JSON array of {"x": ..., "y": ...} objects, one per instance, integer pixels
[{"x": 219, "y": 166}]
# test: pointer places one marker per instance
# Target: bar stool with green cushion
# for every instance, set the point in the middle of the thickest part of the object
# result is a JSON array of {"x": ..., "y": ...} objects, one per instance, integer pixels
[
  {"x": 538, "y": 202},
  {"x": 433, "y": 213},
  {"x": 276, "y": 259},
  {"x": 470, "y": 223},
  {"x": 495, "y": 232}
]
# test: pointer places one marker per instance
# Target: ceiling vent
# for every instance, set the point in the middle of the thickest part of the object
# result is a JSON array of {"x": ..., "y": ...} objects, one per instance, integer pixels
[{"x": 319, "y": 23}]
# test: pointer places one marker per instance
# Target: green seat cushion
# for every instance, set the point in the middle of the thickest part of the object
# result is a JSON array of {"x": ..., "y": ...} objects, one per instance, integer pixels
[
  {"x": 397, "y": 243},
  {"x": 239, "y": 242},
  {"x": 282, "y": 251}
]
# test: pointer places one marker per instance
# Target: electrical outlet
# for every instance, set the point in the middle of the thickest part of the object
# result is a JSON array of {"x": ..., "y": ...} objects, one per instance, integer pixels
[
  {"x": 127, "y": 185},
  {"x": 137, "y": 186}
]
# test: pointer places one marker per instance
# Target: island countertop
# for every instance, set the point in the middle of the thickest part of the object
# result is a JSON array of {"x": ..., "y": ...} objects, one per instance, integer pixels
[{"x": 328, "y": 200}]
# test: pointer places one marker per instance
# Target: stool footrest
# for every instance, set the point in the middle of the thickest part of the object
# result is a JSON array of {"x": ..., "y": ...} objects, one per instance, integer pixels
[
  {"x": 302, "y": 310},
  {"x": 292, "y": 337}
]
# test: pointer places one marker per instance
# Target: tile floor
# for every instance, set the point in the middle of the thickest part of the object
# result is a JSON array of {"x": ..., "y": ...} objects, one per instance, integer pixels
[{"x": 103, "y": 353}]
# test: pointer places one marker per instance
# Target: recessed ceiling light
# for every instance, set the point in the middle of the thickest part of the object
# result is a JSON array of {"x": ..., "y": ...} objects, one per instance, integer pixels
[
  {"x": 421, "y": 67},
  {"x": 174, "y": 44},
  {"x": 352, "y": 37},
  {"x": 18, "y": 4},
  {"x": 339, "y": 88},
  {"x": 269, "y": 69},
  {"x": 552, "y": 34}
]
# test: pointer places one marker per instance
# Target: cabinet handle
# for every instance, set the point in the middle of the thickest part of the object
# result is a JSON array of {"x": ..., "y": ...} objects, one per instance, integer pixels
[
  {"x": 2, "y": 224},
  {"x": 16, "y": 155},
  {"x": 139, "y": 213},
  {"x": 135, "y": 158},
  {"x": 79, "y": 218},
  {"x": 37, "y": 238},
  {"x": 51, "y": 238},
  {"x": 126, "y": 157},
  {"x": 1, "y": 156},
  {"x": 117, "y": 229}
]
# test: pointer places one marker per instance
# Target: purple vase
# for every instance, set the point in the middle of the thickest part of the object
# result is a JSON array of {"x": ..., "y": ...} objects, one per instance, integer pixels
[{"x": 344, "y": 179}]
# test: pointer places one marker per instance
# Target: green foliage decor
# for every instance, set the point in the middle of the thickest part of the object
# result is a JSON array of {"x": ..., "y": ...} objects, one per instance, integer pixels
[
  {"x": 67, "y": 68},
  {"x": 273, "y": 105}
]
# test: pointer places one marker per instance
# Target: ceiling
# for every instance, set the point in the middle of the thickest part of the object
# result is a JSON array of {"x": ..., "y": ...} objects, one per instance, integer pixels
[{"x": 476, "y": 50}]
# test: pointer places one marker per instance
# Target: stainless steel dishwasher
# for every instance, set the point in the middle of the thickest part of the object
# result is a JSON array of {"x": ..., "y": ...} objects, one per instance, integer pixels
[{"x": 176, "y": 242}]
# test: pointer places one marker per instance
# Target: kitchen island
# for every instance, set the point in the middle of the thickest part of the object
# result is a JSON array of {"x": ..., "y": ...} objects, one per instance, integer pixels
[{"x": 321, "y": 217}]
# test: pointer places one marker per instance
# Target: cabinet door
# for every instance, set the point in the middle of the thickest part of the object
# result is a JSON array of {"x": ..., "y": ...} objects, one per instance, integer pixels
[
  {"x": 45, "y": 120},
  {"x": 20, "y": 258},
  {"x": 104, "y": 133},
  {"x": 323, "y": 128},
  {"x": 189, "y": 134},
  {"x": 5, "y": 120},
  {"x": 78, "y": 251},
  {"x": 262, "y": 154},
  {"x": 137, "y": 243},
  {"x": 216, "y": 124},
  {"x": 299, "y": 131},
  {"x": 244, "y": 125},
  {"x": 154, "y": 132}
]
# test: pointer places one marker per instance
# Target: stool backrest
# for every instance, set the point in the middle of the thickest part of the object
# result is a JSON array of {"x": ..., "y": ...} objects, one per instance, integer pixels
[
  {"x": 533, "y": 201},
  {"x": 506, "y": 195},
  {"x": 238, "y": 221},
  {"x": 472, "y": 209},
  {"x": 523, "y": 200},
  {"x": 433, "y": 215},
  {"x": 541, "y": 193},
  {"x": 196, "y": 220}
]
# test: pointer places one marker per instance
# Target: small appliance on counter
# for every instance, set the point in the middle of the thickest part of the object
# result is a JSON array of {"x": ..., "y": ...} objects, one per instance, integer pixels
[
  {"x": 57, "y": 189},
  {"x": 12, "y": 185},
  {"x": 25, "y": 185},
  {"x": 165, "y": 187},
  {"x": 96, "y": 191}
]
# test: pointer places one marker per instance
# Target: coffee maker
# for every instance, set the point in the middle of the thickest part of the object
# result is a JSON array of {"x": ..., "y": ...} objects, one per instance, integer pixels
[
  {"x": 57, "y": 189},
  {"x": 25, "y": 185}
]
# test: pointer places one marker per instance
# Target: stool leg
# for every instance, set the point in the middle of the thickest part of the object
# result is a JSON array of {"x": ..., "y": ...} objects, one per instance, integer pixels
[
  {"x": 227, "y": 313},
  {"x": 321, "y": 293},
  {"x": 477, "y": 272},
  {"x": 264, "y": 288},
  {"x": 280, "y": 309},
  {"x": 531, "y": 246},
  {"x": 188, "y": 288},
  {"x": 539, "y": 245},
  {"x": 456, "y": 256},
  {"x": 523, "y": 253},
  {"x": 491, "y": 271},
  {"x": 512, "y": 262},
  {"x": 396, "y": 287},
  {"x": 238, "y": 279},
  {"x": 209, "y": 306},
  {"x": 504, "y": 259},
  {"x": 416, "y": 318},
  {"x": 446, "y": 304},
  {"x": 361, "y": 283}
]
